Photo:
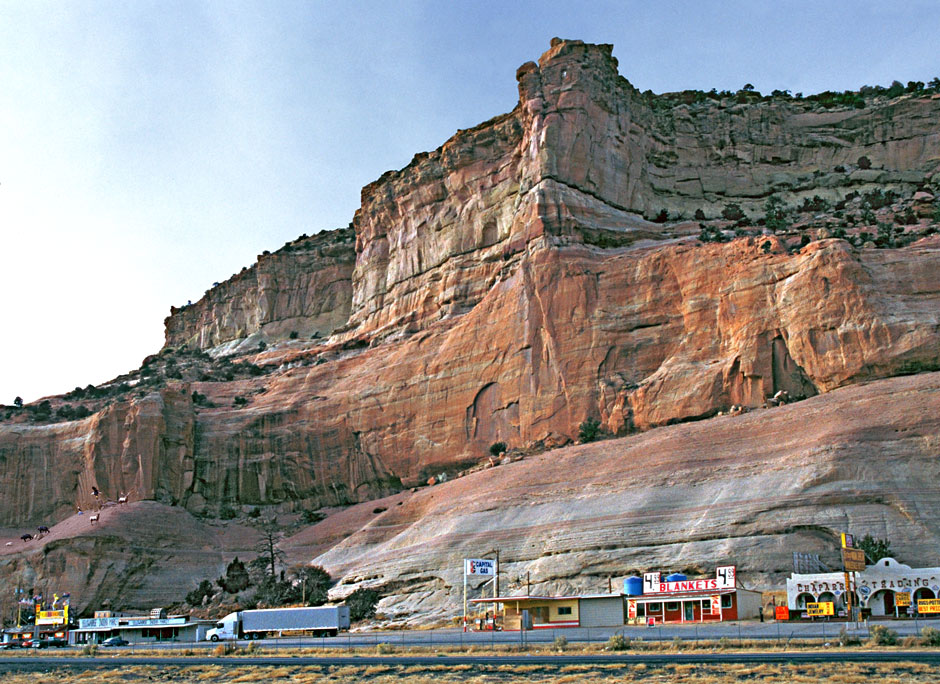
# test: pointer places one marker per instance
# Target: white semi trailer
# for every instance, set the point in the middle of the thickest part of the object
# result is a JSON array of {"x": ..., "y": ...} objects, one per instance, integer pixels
[{"x": 257, "y": 624}]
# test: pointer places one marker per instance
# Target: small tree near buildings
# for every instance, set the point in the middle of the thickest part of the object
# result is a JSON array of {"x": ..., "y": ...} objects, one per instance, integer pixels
[
  {"x": 875, "y": 549},
  {"x": 362, "y": 603}
]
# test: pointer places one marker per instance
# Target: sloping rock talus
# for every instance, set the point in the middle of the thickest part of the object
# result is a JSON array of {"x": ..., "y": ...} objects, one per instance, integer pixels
[{"x": 748, "y": 490}]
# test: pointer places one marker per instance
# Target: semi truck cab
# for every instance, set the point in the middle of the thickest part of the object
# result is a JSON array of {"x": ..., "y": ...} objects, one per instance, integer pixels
[{"x": 226, "y": 628}]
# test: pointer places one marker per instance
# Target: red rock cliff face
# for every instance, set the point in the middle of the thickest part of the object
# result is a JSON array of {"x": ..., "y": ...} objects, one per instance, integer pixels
[
  {"x": 479, "y": 305},
  {"x": 584, "y": 153},
  {"x": 303, "y": 288}
]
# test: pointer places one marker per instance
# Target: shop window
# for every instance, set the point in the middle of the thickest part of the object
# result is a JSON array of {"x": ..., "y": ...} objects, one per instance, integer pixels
[
  {"x": 654, "y": 607},
  {"x": 726, "y": 600},
  {"x": 564, "y": 610},
  {"x": 672, "y": 605},
  {"x": 641, "y": 610}
]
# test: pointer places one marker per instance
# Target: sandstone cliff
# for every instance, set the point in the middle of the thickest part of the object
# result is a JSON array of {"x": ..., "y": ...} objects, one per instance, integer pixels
[
  {"x": 304, "y": 289},
  {"x": 512, "y": 284}
]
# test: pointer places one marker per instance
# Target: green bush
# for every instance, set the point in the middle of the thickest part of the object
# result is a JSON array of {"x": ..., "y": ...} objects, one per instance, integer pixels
[
  {"x": 496, "y": 448},
  {"x": 195, "y": 597},
  {"x": 312, "y": 517},
  {"x": 589, "y": 430},
  {"x": 227, "y": 512},
  {"x": 931, "y": 636},
  {"x": 236, "y": 577},
  {"x": 879, "y": 635},
  {"x": 362, "y": 603},
  {"x": 618, "y": 642},
  {"x": 732, "y": 212},
  {"x": 846, "y": 639},
  {"x": 775, "y": 214}
]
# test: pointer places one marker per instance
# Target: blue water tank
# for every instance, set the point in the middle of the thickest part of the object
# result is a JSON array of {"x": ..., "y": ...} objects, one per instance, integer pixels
[
  {"x": 676, "y": 577},
  {"x": 633, "y": 586}
]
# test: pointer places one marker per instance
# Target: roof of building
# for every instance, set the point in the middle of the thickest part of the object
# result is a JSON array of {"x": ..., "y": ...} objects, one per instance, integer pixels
[{"x": 505, "y": 599}]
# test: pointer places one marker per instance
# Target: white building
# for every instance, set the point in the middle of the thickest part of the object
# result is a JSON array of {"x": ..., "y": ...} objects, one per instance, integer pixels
[{"x": 876, "y": 587}]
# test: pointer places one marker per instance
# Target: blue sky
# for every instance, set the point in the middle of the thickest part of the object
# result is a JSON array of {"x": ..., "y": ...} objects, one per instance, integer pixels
[{"x": 149, "y": 149}]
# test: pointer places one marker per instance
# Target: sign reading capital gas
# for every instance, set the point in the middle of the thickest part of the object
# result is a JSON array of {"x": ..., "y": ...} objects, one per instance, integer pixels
[
  {"x": 479, "y": 566},
  {"x": 724, "y": 579}
]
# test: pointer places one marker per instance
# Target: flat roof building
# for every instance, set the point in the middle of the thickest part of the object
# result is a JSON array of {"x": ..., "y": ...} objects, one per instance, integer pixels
[{"x": 140, "y": 629}]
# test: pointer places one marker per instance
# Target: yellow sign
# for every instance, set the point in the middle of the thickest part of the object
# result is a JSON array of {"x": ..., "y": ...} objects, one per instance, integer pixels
[
  {"x": 52, "y": 617},
  {"x": 902, "y": 599},
  {"x": 928, "y": 606},
  {"x": 853, "y": 560},
  {"x": 820, "y": 609},
  {"x": 847, "y": 541}
]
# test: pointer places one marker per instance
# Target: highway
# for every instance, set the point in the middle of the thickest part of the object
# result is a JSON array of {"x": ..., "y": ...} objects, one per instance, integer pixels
[
  {"x": 34, "y": 662},
  {"x": 771, "y": 632}
]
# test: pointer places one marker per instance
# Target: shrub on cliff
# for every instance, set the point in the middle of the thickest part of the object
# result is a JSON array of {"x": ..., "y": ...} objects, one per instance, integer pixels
[
  {"x": 196, "y": 596},
  {"x": 496, "y": 448},
  {"x": 732, "y": 212},
  {"x": 236, "y": 577},
  {"x": 362, "y": 603},
  {"x": 776, "y": 214},
  {"x": 589, "y": 430},
  {"x": 312, "y": 517}
]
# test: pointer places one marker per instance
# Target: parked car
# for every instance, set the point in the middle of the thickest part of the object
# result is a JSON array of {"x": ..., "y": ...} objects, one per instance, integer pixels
[
  {"x": 46, "y": 643},
  {"x": 9, "y": 645},
  {"x": 114, "y": 641}
]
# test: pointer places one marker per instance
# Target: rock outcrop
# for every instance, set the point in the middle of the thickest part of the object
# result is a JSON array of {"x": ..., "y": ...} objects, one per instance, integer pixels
[
  {"x": 304, "y": 289},
  {"x": 533, "y": 272},
  {"x": 748, "y": 490}
]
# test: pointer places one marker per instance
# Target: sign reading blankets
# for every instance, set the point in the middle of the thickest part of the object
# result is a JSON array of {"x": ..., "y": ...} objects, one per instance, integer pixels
[{"x": 724, "y": 579}]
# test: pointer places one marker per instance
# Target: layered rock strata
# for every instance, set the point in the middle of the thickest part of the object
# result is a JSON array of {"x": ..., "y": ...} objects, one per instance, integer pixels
[
  {"x": 747, "y": 490},
  {"x": 508, "y": 286},
  {"x": 304, "y": 289}
]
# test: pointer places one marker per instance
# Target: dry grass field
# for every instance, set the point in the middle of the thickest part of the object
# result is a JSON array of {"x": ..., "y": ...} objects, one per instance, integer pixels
[{"x": 843, "y": 673}]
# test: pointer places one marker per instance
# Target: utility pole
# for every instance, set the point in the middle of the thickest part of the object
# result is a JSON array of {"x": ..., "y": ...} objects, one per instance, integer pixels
[
  {"x": 496, "y": 585},
  {"x": 465, "y": 595}
]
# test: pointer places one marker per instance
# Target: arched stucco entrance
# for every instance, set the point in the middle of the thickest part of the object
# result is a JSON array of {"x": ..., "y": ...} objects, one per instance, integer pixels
[{"x": 882, "y": 602}]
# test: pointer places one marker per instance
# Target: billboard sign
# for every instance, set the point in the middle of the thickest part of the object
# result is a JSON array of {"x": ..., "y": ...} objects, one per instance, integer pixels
[
  {"x": 781, "y": 613},
  {"x": 928, "y": 606},
  {"x": 823, "y": 609},
  {"x": 902, "y": 599},
  {"x": 725, "y": 576},
  {"x": 724, "y": 579},
  {"x": 479, "y": 566},
  {"x": 53, "y": 617},
  {"x": 853, "y": 560}
]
